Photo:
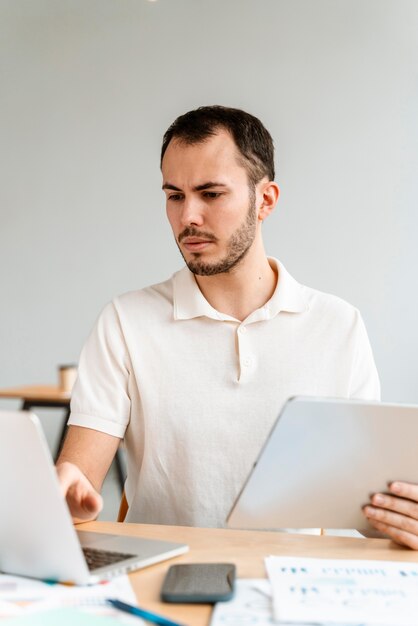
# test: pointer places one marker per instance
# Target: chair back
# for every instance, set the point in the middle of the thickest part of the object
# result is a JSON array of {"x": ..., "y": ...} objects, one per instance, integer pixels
[{"x": 123, "y": 508}]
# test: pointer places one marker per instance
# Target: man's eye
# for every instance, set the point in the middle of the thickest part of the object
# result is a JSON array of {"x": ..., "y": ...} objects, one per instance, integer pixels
[
  {"x": 212, "y": 194},
  {"x": 175, "y": 197}
]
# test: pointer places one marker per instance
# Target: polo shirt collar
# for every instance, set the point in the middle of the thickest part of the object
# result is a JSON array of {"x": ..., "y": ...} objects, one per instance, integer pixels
[
  {"x": 189, "y": 301},
  {"x": 289, "y": 295}
]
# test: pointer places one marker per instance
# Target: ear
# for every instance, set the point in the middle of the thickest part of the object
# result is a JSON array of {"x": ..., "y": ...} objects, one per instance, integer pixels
[{"x": 269, "y": 192}]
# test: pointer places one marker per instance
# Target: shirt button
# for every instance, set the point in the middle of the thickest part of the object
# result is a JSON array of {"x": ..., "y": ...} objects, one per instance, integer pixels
[
  {"x": 242, "y": 330},
  {"x": 247, "y": 362}
]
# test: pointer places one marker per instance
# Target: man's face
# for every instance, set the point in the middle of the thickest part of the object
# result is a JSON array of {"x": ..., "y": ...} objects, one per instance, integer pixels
[{"x": 210, "y": 206}]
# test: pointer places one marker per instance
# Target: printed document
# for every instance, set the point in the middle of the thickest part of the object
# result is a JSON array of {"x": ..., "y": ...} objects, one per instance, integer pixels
[{"x": 325, "y": 591}]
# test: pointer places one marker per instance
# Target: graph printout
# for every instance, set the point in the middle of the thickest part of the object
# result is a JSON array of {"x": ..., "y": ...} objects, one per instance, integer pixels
[{"x": 324, "y": 591}]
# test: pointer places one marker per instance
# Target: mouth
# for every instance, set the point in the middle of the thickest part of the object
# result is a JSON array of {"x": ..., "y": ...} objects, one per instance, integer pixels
[{"x": 195, "y": 244}]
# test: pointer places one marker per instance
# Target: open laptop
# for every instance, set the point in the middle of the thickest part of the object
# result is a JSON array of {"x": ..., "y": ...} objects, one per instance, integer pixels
[
  {"x": 37, "y": 536},
  {"x": 323, "y": 459}
]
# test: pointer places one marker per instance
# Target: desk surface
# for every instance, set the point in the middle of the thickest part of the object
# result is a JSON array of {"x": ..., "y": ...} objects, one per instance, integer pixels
[
  {"x": 37, "y": 393},
  {"x": 246, "y": 549}
]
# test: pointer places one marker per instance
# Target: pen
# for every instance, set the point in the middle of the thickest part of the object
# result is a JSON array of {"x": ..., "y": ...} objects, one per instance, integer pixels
[{"x": 134, "y": 610}]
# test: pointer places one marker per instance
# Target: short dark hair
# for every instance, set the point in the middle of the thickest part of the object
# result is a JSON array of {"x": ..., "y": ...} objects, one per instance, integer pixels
[{"x": 252, "y": 139}]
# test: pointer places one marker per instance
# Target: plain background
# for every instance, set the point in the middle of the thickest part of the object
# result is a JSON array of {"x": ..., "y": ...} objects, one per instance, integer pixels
[{"x": 89, "y": 86}]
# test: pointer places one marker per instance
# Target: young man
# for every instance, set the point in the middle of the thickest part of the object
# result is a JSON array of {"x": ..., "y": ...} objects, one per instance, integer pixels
[{"x": 192, "y": 372}]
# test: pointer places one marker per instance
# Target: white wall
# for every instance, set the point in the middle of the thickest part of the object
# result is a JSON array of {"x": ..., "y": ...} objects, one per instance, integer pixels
[{"x": 88, "y": 88}]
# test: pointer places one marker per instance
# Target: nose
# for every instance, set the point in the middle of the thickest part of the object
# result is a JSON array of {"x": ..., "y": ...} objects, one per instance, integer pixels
[{"x": 192, "y": 212}]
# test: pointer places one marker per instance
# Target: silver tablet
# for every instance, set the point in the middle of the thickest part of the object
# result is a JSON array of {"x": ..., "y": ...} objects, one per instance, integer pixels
[{"x": 323, "y": 459}]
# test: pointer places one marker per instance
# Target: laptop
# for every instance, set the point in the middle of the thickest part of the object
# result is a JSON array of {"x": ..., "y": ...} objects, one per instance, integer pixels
[
  {"x": 37, "y": 536},
  {"x": 323, "y": 459}
]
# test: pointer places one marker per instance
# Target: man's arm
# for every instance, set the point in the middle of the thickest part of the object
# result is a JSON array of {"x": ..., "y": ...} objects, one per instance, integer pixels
[{"x": 82, "y": 466}]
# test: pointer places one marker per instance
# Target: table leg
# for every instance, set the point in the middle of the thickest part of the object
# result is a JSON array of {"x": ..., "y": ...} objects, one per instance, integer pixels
[
  {"x": 63, "y": 433},
  {"x": 27, "y": 406}
]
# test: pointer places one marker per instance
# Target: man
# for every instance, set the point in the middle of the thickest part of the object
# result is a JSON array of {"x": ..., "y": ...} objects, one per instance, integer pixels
[{"x": 192, "y": 372}]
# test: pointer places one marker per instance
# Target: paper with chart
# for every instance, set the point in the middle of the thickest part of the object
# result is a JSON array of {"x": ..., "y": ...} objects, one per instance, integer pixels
[
  {"x": 324, "y": 591},
  {"x": 251, "y": 604},
  {"x": 20, "y": 596}
]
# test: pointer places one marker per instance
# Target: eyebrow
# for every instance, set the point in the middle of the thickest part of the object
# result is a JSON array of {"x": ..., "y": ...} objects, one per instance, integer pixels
[{"x": 207, "y": 185}]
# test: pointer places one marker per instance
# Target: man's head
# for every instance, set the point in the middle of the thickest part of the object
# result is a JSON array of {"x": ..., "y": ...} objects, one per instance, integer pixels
[
  {"x": 254, "y": 144},
  {"x": 217, "y": 166}
]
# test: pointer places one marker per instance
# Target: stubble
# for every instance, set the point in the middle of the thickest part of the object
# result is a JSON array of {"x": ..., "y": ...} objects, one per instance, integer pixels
[{"x": 237, "y": 247}]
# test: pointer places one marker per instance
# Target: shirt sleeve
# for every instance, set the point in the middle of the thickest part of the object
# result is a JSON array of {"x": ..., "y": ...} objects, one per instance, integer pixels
[
  {"x": 364, "y": 381},
  {"x": 100, "y": 398}
]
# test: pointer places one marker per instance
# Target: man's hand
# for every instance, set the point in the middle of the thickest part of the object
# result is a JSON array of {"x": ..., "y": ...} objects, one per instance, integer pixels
[
  {"x": 83, "y": 500},
  {"x": 396, "y": 513}
]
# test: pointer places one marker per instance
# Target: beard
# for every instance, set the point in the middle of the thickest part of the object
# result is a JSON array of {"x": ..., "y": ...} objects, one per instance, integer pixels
[{"x": 237, "y": 246}]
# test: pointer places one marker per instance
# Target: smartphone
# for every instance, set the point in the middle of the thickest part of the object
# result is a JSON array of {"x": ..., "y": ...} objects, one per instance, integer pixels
[{"x": 203, "y": 583}]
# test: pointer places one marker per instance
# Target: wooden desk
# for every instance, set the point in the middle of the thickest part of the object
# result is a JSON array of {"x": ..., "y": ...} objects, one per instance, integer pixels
[
  {"x": 246, "y": 549},
  {"x": 38, "y": 393},
  {"x": 52, "y": 396}
]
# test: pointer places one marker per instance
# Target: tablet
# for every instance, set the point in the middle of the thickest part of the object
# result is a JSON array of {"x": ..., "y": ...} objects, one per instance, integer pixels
[{"x": 323, "y": 459}]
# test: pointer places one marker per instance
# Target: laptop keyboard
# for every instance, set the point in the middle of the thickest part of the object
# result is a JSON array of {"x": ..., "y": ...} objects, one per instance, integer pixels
[{"x": 101, "y": 558}]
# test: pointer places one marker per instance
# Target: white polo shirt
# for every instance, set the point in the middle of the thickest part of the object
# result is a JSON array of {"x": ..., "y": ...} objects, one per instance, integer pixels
[{"x": 194, "y": 392}]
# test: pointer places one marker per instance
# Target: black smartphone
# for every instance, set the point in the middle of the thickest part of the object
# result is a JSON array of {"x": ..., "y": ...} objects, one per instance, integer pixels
[{"x": 199, "y": 583}]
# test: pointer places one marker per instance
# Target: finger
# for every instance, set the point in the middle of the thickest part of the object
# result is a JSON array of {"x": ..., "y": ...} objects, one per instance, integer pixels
[
  {"x": 391, "y": 518},
  {"x": 400, "y": 505},
  {"x": 404, "y": 489},
  {"x": 401, "y": 537},
  {"x": 83, "y": 500},
  {"x": 81, "y": 512},
  {"x": 92, "y": 502}
]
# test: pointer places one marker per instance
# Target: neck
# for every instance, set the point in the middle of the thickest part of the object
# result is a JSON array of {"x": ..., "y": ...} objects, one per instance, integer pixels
[{"x": 247, "y": 287}]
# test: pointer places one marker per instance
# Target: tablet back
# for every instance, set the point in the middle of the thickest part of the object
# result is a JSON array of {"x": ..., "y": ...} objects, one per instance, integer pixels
[{"x": 322, "y": 460}]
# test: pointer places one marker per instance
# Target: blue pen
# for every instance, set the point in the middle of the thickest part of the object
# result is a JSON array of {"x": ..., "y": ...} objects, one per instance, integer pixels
[{"x": 134, "y": 610}]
